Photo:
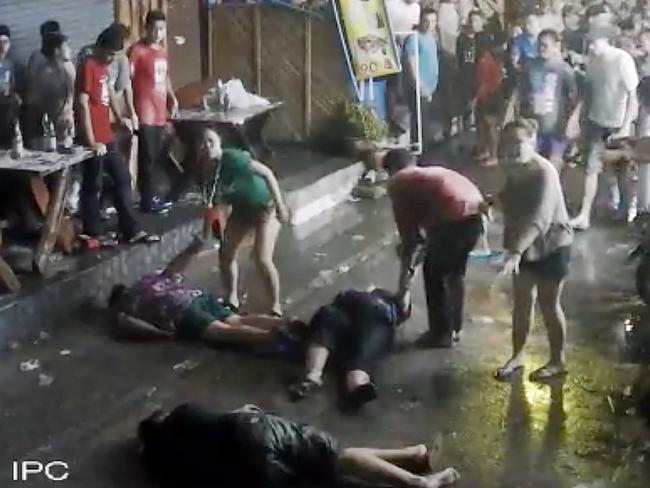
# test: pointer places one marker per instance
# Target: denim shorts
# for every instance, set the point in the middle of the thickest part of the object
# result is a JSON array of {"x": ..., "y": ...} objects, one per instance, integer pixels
[{"x": 595, "y": 141}]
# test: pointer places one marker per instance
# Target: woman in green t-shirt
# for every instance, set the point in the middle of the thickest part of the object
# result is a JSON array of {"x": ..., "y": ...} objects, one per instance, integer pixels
[{"x": 252, "y": 192}]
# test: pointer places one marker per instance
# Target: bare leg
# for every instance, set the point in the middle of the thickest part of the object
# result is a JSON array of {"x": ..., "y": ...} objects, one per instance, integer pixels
[
  {"x": 264, "y": 322},
  {"x": 492, "y": 139},
  {"x": 266, "y": 236},
  {"x": 583, "y": 219},
  {"x": 405, "y": 457},
  {"x": 366, "y": 464},
  {"x": 522, "y": 317},
  {"x": 234, "y": 234},
  {"x": 315, "y": 362},
  {"x": 550, "y": 293},
  {"x": 224, "y": 333}
]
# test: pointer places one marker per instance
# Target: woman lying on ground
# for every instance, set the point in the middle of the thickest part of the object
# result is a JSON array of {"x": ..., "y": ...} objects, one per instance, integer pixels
[
  {"x": 192, "y": 447},
  {"x": 162, "y": 306},
  {"x": 252, "y": 192},
  {"x": 358, "y": 328},
  {"x": 537, "y": 238}
]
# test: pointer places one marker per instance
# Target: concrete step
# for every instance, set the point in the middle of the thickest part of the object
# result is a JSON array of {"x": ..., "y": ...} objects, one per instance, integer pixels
[{"x": 311, "y": 193}]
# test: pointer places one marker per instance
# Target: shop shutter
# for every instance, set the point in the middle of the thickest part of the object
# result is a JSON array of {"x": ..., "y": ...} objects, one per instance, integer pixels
[{"x": 81, "y": 21}]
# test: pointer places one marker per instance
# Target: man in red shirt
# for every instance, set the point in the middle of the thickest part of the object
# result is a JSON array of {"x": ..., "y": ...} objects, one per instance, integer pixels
[
  {"x": 93, "y": 99},
  {"x": 446, "y": 207},
  {"x": 152, "y": 90}
]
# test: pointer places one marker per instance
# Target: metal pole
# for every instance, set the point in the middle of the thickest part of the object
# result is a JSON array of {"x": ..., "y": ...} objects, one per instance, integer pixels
[
  {"x": 418, "y": 91},
  {"x": 348, "y": 60}
]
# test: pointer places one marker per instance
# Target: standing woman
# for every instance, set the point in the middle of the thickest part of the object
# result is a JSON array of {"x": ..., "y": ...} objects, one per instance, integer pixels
[
  {"x": 537, "y": 238},
  {"x": 252, "y": 192}
]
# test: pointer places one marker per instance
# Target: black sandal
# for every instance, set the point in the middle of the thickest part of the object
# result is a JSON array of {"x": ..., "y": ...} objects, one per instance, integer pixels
[{"x": 300, "y": 391}]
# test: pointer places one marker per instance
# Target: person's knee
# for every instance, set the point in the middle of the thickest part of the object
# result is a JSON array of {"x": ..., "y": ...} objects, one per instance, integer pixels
[
  {"x": 549, "y": 297},
  {"x": 262, "y": 260}
]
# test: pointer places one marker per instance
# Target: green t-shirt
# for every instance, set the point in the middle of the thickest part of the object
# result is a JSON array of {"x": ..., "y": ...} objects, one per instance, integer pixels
[{"x": 239, "y": 184}]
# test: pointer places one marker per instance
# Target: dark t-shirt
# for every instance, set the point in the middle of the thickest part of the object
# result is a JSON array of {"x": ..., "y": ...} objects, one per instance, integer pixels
[
  {"x": 377, "y": 304},
  {"x": 468, "y": 49},
  {"x": 547, "y": 88},
  {"x": 576, "y": 41},
  {"x": 240, "y": 449}
]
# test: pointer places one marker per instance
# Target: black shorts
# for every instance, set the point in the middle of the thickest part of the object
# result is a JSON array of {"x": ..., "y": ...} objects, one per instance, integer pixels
[
  {"x": 355, "y": 343},
  {"x": 555, "y": 266}
]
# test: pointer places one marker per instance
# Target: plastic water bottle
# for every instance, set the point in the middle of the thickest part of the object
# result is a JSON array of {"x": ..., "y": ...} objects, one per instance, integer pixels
[
  {"x": 51, "y": 138},
  {"x": 17, "y": 146}
]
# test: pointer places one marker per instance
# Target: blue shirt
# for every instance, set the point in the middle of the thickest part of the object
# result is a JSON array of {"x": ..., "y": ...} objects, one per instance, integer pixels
[
  {"x": 524, "y": 46},
  {"x": 428, "y": 53}
]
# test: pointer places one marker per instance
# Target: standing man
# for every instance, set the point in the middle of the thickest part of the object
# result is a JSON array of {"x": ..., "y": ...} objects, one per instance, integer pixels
[
  {"x": 153, "y": 96},
  {"x": 9, "y": 98},
  {"x": 524, "y": 46},
  {"x": 609, "y": 108},
  {"x": 549, "y": 95},
  {"x": 93, "y": 99},
  {"x": 446, "y": 207},
  {"x": 472, "y": 41},
  {"x": 427, "y": 74},
  {"x": 51, "y": 84}
]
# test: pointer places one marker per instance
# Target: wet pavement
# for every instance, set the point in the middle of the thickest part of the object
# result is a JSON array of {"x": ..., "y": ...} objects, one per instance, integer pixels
[{"x": 82, "y": 403}]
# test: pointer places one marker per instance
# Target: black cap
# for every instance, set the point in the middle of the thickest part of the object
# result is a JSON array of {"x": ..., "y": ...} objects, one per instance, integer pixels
[
  {"x": 4, "y": 31},
  {"x": 110, "y": 39},
  {"x": 50, "y": 27}
]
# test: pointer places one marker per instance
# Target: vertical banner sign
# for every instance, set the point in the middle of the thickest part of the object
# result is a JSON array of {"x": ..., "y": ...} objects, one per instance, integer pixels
[{"x": 368, "y": 38}]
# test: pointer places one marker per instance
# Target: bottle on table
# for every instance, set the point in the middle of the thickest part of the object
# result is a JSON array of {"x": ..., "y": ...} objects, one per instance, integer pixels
[
  {"x": 51, "y": 140},
  {"x": 17, "y": 146}
]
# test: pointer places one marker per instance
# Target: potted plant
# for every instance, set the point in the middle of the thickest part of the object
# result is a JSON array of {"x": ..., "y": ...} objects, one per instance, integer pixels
[{"x": 362, "y": 128}]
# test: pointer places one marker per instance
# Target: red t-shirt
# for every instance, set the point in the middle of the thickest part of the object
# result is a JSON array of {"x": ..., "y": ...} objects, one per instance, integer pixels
[
  {"x": 93, "y": 79},
  {"x": 489, "y": 76},
  {"x": 149, "y": 78},
  {"x": 427, "y": 197}
]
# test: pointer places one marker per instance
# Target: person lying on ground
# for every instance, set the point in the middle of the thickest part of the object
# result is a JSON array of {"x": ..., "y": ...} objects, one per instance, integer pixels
[
  {"x": 192, "y": 447},
  {"x": 162, "y": 306},
  {"x": 358, "y": 328}
]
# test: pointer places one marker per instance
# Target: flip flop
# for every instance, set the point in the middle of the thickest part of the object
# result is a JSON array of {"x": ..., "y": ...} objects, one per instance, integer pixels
[
  {"x": 546, "y": 374},
  {"x": 142, "y": 237},
  {"x": 505, "y": 374},
  {"x": 300, "y": 391}
]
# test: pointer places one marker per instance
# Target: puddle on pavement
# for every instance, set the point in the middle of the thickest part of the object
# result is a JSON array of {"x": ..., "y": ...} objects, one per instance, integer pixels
[{"x": 522, "y": 434}]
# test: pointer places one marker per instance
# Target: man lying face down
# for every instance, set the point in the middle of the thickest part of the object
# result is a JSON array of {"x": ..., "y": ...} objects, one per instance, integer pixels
[
  {"x": 161, "y": 305},
  {"x": 247, "y": 448}
]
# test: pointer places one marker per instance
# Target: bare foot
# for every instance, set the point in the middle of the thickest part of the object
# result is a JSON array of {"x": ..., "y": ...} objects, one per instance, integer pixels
[
  {"x": 420, "y": 454},
  {"x": 580, "y": 223},
  {"x": 444, "y": 478},
  {"x": 434, "y": 452}
]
